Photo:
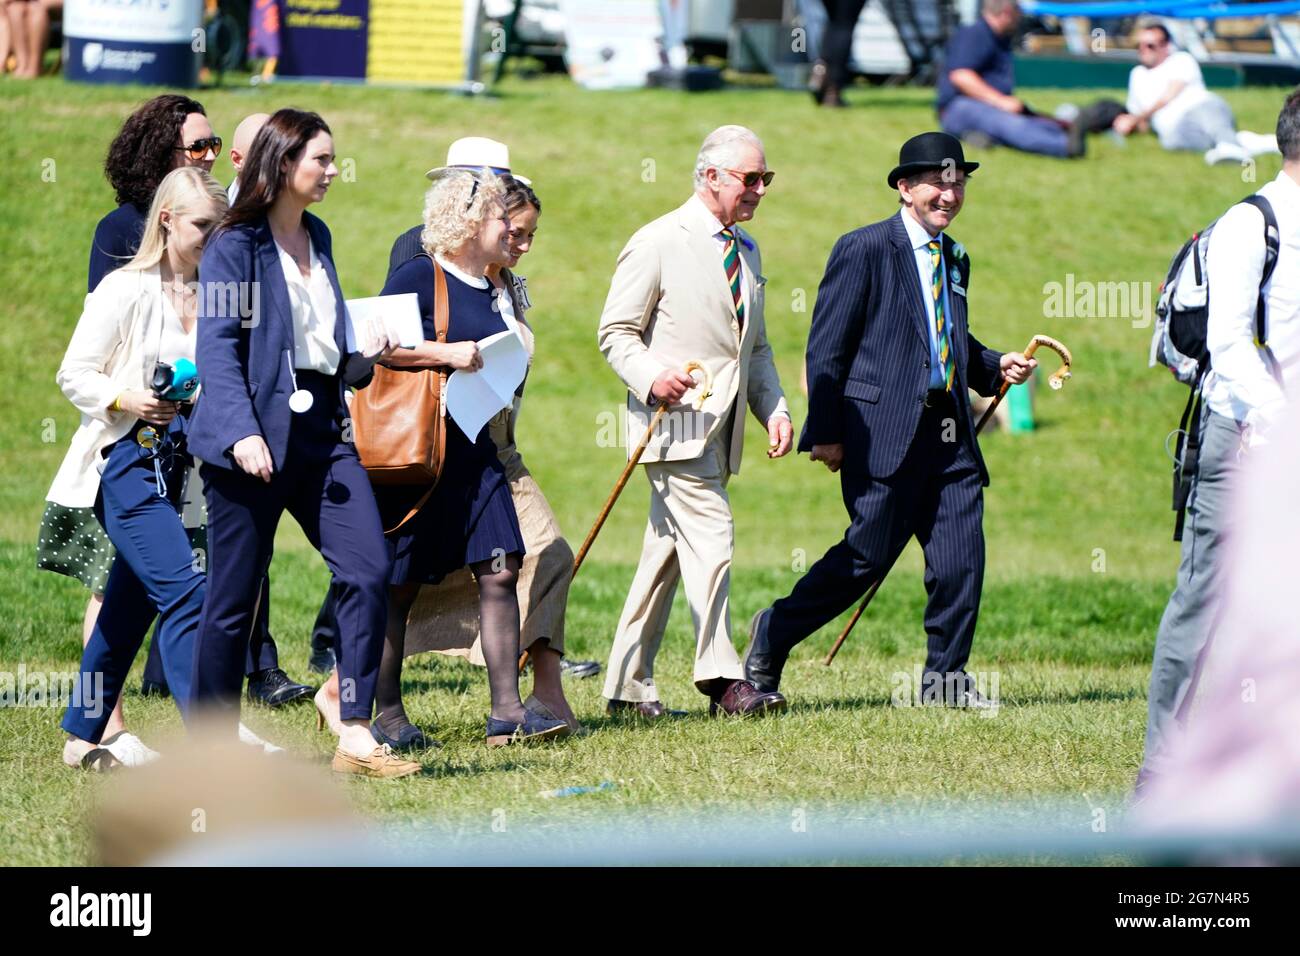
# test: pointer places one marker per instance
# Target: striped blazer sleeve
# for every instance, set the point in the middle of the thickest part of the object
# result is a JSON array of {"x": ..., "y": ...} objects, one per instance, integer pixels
[{"x": 839, "y": 318}]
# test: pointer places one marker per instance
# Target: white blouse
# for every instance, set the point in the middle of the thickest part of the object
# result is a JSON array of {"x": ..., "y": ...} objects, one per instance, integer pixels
[{"x": 314, "y": 313}]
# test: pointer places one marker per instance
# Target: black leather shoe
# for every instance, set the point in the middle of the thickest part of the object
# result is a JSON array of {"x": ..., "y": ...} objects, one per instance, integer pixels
[
  {"x": 154, "y": 688},
  {"x": 645, "y": 709},
  {"x": 762, "y": 666},
  {"x": 322, "y": 660},
  {"x": 273, "y": 688},
  {"x": 579, "y": 669},
  {"x": 957, "y": 691}
]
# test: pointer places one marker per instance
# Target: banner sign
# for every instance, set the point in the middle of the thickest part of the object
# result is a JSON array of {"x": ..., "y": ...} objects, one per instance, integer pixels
[
  {"x": 133, "y": 41},
  {"x": 417, "y": 42}
]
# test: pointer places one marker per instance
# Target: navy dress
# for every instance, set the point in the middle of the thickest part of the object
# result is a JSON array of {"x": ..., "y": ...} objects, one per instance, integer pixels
[{"x": 470, "y": 516}]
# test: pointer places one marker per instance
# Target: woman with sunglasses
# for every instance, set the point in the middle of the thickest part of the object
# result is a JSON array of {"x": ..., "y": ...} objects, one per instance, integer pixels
[
  {"x": 166, "y": 133},
  {"x": 274, "y": 362},
  {"x": 128, "y": 460}
]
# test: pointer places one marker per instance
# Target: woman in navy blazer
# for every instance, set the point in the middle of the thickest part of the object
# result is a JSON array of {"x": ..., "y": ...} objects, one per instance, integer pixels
[{"x": 272, "y": 431}]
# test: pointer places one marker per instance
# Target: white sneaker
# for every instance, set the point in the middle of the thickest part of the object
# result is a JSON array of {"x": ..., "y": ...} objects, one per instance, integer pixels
[
  {"x": 1256, "y": 144},
  {"x": 1225, "y": 153},
  {"x": 130, "y": 750},
  {"x": 246, "y": 736}
]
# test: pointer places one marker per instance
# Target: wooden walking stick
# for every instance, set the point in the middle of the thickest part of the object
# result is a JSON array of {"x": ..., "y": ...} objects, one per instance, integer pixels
[
  {"x": 1056, "y": 380},
  {"x": 706, "y": 389}
]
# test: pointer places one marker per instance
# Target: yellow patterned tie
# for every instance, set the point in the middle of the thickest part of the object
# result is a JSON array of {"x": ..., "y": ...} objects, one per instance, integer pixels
[{"x": 940, "y": 325}]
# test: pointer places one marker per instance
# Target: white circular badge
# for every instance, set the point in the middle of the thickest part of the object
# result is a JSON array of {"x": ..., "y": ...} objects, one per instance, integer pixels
[{"x": 301, "y": 401}]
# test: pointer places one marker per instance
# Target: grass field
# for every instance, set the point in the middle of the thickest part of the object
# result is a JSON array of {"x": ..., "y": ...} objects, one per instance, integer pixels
[{"x": 1080, "y": 560}]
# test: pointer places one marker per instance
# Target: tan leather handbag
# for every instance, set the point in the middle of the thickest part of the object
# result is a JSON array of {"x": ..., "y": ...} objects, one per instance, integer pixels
[{"x": 399, "y": 420}]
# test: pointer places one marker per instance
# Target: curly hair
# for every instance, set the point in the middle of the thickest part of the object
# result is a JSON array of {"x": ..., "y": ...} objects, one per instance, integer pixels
[
  {"x": 454, "y": 209},
  {"x": 141, "y": 154}
]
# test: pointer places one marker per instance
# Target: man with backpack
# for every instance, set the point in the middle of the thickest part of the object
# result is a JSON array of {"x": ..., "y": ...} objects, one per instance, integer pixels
[{"x": 1249, "y": 356}]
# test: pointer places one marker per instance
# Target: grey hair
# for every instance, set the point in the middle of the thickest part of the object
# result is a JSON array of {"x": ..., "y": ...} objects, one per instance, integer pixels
[{"x": 720, "y": 149}]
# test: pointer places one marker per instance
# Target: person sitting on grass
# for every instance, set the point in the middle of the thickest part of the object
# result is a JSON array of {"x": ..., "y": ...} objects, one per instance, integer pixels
[{"x": 1167, "y": 96}]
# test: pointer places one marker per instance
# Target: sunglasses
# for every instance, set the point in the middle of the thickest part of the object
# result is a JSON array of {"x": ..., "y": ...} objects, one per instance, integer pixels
[
  {"x": 751, "y": 179},
  {"x": 199, "y": 148}
]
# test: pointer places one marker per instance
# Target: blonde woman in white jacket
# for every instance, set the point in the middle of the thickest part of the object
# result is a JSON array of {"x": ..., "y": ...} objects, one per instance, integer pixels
[{"x": 128, "y": 459}]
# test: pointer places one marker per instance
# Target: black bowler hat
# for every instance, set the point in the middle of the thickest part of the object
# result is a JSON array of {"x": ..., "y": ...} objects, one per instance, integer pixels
[{"x": 929, "y": 151}]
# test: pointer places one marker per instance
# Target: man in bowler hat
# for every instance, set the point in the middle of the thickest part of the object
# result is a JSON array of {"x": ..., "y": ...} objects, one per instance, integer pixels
[{"x": 890, "y": 357}]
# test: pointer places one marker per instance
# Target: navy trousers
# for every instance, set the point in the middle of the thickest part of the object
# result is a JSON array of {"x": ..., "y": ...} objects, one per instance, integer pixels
[
  {"x": 262, "y": 652},
  {"x": 154, "y": 574},
  {"x": 935, "y": 496},
  {"x": 322, "y": 484}
]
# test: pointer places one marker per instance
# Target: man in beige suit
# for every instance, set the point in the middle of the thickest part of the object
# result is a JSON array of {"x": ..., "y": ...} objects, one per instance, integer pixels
[{"x": 689, "y": 287}]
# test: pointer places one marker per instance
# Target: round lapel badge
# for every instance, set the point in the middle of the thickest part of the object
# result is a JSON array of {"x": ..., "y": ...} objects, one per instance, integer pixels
[
  {"x": 956, "y": 274},
  {"x": 301, "y": 401},
  {"x": 147, "y": 437}
]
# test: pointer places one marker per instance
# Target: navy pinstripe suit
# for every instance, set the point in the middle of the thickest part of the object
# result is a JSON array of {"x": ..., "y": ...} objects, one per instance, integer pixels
[{"x": 909, "y": 469}]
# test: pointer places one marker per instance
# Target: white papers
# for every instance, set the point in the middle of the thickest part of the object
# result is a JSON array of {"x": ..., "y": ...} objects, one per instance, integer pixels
[
  {"x": 398, "y": 314},
  {"x": 474, "y": 397}
]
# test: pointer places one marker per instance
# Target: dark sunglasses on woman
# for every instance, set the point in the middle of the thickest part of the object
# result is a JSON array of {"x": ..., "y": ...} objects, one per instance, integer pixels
[{"x": 199, "y": 148}]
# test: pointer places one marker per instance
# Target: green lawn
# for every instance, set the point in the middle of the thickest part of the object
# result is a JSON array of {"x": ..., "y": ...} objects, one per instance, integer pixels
[{"x": 1079, "y": 553}]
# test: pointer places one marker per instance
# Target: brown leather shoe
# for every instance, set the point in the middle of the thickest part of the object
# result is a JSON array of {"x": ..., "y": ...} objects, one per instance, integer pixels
[
  {"x": 645, "y": 709},
  {"x": 741, "y": 698},
  {"x": 381, "y": 762}
]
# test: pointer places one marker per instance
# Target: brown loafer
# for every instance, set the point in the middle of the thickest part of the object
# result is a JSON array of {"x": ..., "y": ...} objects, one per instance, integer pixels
[
  {"x": 645, "y": 709},
  {"x": 380, "y": 762},
  {"x": 741, "y": 698}
]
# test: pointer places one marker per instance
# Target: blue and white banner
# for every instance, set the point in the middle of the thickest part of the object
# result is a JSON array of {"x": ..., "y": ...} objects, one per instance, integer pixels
[{"x": 158, "y": 42}]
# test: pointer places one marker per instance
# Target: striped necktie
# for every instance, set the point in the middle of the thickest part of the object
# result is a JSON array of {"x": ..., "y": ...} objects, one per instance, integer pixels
[
  {"x": 731, "y": 263},
  {"x": 940, "y": 323}
]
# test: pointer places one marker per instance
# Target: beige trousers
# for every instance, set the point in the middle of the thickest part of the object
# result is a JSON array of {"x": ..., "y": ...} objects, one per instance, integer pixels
[{"x": 689, "y": 535}]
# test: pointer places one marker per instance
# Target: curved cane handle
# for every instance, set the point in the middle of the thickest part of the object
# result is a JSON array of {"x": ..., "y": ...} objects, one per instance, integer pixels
[
  {"x": 706, "y": 387},
  {"x": 1061, "y": 374}
]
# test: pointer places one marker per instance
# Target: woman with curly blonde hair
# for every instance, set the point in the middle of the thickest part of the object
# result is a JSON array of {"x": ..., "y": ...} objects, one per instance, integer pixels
[{"x": 469, "y": 520}]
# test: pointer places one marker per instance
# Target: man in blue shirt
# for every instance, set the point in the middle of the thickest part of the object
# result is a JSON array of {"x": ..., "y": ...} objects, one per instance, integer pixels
[{"x": 975, "y": 99}]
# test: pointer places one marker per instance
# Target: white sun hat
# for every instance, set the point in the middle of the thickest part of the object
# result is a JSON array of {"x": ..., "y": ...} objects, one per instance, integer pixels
[{"x": 475, "y": 152}]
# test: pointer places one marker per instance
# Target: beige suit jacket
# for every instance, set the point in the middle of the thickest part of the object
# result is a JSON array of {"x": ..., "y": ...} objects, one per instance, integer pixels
[{"x": 669, "y": 303}]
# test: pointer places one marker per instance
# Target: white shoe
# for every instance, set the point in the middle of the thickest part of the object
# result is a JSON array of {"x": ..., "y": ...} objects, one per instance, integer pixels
[
  {"x": 1225, "y": 153},
  {"x": 1256, "y": 144},
  {"x": 130, "y": 750},
  {"x": 246, "y": 736}
]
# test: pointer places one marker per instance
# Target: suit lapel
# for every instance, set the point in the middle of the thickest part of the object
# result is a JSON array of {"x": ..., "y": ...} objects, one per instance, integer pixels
[
  {"x": 749, "y": 290},
  {"x": 905, "y": 257},
  {"x": 956, "y": 304},
  {"x": 704, "y": 247},
  {"x": 273, "y": 282}
]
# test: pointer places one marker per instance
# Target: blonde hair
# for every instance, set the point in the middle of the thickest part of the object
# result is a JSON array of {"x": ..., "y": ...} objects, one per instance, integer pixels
[
  {"x": 182, "y": 192},
  {"x": 454, "y": 210}
]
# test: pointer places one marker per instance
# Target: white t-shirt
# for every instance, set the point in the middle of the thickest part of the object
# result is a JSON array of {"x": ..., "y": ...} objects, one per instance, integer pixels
[{"x": 1146, "y": 86}]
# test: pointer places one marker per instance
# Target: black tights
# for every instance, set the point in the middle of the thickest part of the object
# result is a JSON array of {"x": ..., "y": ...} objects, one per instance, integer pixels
[{"x": 498, "y": 611}]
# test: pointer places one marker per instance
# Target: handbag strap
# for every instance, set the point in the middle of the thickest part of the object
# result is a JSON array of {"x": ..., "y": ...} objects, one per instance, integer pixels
[
  {"x": 415, "y": 510},
  {"x": 440, "y": 322},
  {"x": 439, "y": 296}
]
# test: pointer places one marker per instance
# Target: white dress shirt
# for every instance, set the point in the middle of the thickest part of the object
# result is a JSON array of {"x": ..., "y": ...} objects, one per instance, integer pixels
[
  {"x": 921, "y": 240},
  {"x": 314, "y": 313},
  {"x": 1248, "y": 383}
]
